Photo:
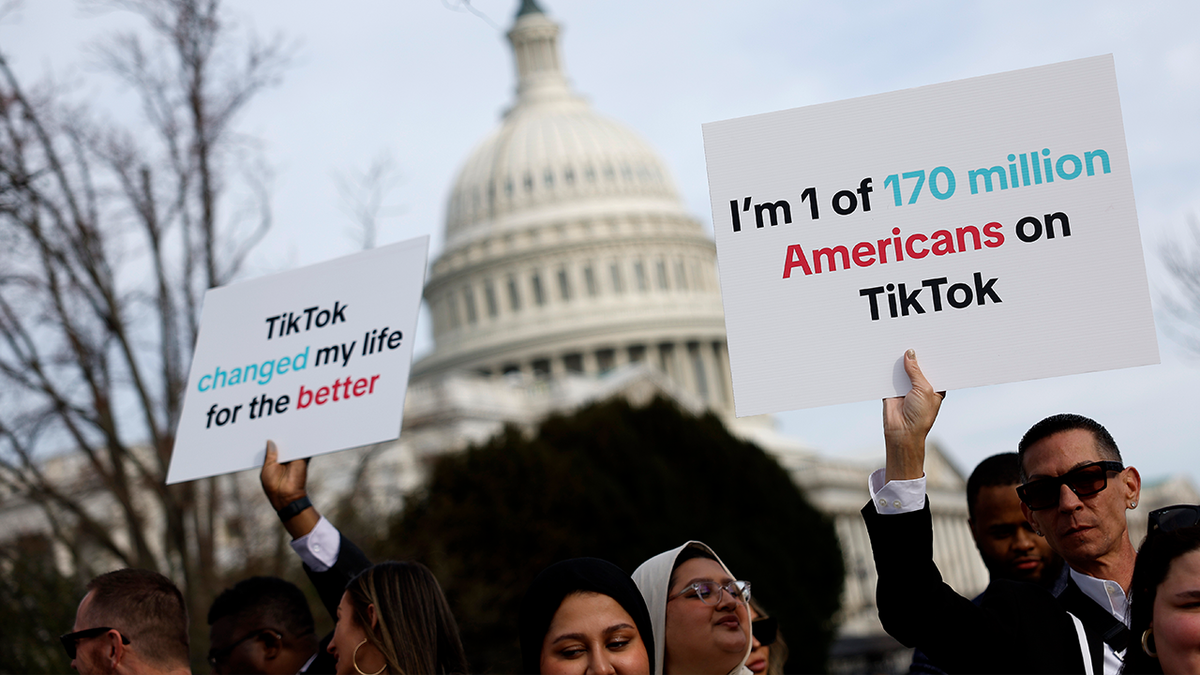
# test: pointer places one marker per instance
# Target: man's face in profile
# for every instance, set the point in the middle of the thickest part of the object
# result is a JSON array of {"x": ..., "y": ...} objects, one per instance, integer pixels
[{"x": 1009, "y": 547}]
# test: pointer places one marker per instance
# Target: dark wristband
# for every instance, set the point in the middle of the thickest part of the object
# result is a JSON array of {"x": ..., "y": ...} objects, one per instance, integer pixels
[{"x": 292, "y": 510}]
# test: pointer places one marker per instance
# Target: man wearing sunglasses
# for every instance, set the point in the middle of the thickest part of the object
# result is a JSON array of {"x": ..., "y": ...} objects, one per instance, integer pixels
[
  {"x": 1075, "y": 492},
  {"x": 130, "y": 621}
]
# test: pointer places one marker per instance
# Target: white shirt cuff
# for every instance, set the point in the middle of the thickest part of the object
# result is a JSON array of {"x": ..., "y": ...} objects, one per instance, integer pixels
[
  {"x": 896, "y": 496},
  {"x": 319, "y": 548}
]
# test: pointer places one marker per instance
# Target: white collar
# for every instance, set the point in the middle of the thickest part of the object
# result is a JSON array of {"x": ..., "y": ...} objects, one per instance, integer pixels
[
  {"x": 310, "y": 660},
  {"x": 1107, "y": 593}
]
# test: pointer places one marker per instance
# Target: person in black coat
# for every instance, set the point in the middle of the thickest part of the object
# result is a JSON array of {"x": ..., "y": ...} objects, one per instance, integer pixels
[
  {"x": 1009, "y": 547},
  {"x": 1074, "y": 494}
]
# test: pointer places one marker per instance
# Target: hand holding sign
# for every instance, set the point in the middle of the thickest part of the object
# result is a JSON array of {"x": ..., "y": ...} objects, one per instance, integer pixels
[
  {"x": 284, "y": 484},
  {"x": 907, "y": 421}
]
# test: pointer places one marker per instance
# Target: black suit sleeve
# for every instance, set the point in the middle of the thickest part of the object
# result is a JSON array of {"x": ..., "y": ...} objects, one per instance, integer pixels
[
  {"x": 1019, "y": 628},
  {"x": 331, "y": 583}
]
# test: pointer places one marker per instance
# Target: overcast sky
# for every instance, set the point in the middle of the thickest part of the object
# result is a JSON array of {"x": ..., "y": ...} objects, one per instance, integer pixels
[{"x": 425, "y": 80}]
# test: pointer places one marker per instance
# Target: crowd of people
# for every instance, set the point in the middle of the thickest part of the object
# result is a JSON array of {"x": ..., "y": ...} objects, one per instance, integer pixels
[{"x": 1068, "y": 594}]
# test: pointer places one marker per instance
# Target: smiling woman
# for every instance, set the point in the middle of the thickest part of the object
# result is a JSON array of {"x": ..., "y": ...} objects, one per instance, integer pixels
[
  {"x": 698, "y": 610},
  {"x": 585, "y": 615}
]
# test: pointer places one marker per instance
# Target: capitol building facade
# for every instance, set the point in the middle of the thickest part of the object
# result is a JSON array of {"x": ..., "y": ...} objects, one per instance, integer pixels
[{"x": 571, "y": 272}]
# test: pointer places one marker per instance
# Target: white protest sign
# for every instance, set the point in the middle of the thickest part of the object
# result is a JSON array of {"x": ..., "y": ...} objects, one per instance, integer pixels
[
  {"x": 988, "y": 223},
  {"x": 316, "y": 359}
]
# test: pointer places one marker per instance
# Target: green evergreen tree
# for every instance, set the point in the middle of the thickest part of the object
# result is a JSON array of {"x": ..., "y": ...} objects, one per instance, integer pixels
[
  {"x": 37, "y": 604},
  {"x": 623, "y": 484}
]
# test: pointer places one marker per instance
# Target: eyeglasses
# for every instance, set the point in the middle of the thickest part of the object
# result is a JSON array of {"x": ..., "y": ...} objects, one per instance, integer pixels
[
  {"x": 709, "y": 592},
  {"x": 1085, "y": 481},
  {"x": 765, "y": 628},
  {"x": 216, "y": 656},
  {"x": 71, "y": 640},
  {"x": 1171, "y": 518}
]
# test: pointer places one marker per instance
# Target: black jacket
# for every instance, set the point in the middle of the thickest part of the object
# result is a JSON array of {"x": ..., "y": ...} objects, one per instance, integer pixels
[
  {"x": 330, "y": 585},
  {"x": 1018, "y": 627}
]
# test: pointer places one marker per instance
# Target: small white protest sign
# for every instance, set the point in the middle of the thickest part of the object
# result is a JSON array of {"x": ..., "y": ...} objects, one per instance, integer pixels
[
  {"x": 316, "y": 359},
  {"x": 987, "y": 223}
]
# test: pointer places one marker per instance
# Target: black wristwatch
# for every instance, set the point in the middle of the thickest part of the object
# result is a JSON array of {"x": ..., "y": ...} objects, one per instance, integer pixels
[{"x": 292, "y": 510}]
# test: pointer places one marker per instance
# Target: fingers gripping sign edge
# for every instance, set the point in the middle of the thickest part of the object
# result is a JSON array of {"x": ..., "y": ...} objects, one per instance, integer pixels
[
  {"x": 907, "y": 421},
  {"x": 283, "y": 483}
]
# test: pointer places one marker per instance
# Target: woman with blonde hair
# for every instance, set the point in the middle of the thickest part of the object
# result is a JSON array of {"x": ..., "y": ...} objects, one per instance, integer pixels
[{"x": 393, "y": 618}]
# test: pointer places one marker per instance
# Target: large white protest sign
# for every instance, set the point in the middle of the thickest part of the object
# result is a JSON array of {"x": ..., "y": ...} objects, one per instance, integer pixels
[
  {"x": 316, "y": 359},
  {"x": 988, "y": 223}
]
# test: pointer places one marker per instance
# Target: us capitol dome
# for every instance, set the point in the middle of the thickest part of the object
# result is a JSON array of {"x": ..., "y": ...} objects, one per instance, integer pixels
[
  {"x": 568, "y": 250},
  {"x": 571, "y": 272}
]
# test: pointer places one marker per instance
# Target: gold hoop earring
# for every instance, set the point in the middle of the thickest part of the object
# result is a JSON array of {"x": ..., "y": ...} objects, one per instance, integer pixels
[
  {"x": 354, "y": 660},
  {"x": 1146, "y": 635}
]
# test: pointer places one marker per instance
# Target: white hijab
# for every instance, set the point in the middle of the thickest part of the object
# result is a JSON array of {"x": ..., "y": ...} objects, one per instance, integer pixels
[{"x": 653, "y": 579}]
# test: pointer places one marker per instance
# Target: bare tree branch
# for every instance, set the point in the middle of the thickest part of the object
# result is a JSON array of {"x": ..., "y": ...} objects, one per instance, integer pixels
[
  {"x": 1182, "y": 301},
  {"x": 363, "y": 194},
  {"x": 109, "y": 237}
]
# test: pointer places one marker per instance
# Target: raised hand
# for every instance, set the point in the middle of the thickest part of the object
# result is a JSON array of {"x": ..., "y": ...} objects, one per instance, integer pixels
[
  {"x": 284, "y": 484},
  {"x": 907, "y": 421}
]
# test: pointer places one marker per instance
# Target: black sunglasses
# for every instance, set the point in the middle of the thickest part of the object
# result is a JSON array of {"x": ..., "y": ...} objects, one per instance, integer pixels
[
  {"x": 1085, "y": 481},
  {"x": 216, "y": 656},
  {"x": 765, "y": 628},
  {"x": 1171, "y": 518},
  {"x": 71, "y": 640}
]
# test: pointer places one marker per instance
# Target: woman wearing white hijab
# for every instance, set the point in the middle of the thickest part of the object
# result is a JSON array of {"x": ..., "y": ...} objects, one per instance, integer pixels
[{"x": 697, "y": 611}]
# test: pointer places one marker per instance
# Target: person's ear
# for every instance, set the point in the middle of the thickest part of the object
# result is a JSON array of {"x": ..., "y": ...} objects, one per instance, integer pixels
[
  {"x": 1133, "y": 484},
  {"x": 115, "y": 648},
  {"x": 272, "y": 643}
]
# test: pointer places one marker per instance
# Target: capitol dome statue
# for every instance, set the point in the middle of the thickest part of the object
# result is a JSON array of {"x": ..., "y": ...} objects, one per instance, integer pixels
[{"x": 568, "y": 250}]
